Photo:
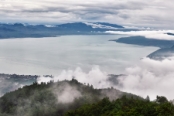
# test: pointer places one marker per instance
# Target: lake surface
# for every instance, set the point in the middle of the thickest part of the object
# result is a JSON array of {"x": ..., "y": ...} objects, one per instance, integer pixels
[{"x": 51, "y": 55}]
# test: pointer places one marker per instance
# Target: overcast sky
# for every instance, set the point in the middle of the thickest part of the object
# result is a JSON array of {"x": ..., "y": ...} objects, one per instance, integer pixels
[{"x": 126, "y": 12}]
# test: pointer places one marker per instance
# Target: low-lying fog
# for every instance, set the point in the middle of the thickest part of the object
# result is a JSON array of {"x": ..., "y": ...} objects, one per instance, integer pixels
[
  {"x": 89, "y": 59},
  {"x": 51, "y": 55}
]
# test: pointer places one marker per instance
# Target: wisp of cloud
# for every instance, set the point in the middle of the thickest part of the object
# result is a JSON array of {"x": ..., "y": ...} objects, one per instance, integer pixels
[
  {"x": 95, "y": 76},
  {"x": 148, "y": 77},
  {"x": 151, "y": 34}
]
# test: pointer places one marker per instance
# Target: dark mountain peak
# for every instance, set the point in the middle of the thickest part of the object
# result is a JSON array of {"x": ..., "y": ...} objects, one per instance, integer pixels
[
  {"x": 141, "y": 40},
  {"x": 73, "y": 25},
  {"x": 18, "y": 24},
  {"x": 170, "y": 34}
]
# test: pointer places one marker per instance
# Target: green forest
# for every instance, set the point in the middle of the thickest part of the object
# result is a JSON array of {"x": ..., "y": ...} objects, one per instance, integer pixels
[
  {"x": 126, "y": 107},
  {"x": 72, "y": 98}
]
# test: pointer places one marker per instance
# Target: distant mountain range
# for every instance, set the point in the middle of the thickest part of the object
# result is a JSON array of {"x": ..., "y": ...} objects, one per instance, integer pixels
[
  {"x": 170, "y": 34},
  {"x": 162, "y": 53},
  {"x": 19, "y": 30},
  {"x": 166, "y": 46},
  {"x": 143, "y": 41}
]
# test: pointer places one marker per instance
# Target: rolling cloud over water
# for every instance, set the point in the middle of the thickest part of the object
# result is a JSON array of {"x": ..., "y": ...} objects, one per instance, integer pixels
[
  {"x": 150, "y": 77},
  {"x": 147, "y": 77},
  {"x": 152, "y": 34}
]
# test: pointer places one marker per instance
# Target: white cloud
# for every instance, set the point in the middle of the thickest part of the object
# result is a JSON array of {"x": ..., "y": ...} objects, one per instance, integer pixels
[
  {"x": 147, "y": 77},
  {"x": 95, "y": 77},
  {"x": 152, "y": 34},
  {"x": 66, "y": 93},
  {"x": 100, "y": 26},
  {"x": 44, "y": 79},
  {"x": 151, "y": 78}
]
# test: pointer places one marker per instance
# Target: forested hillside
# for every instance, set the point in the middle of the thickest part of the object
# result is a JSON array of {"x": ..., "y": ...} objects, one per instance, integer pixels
[
  {"x": 71, "y": 98},
  {"x": 54, "y": 99},
  {"x": 126, "y": 107}
]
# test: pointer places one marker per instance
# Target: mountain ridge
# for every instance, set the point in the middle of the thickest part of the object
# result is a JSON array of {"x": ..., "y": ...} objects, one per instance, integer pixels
[
  {"x": 23, "y": 30},
  {"x": 143, "y": 41},
  {"x": 162, "y": 53}
]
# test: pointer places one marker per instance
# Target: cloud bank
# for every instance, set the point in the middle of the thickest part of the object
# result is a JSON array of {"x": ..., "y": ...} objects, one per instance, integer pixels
[
  {"x": 147, "y": 77},
  {"x": 95, "y": 77},
  {"x": 155, "y": 13},
  {"x": 150, "y": 77},
  {"x": 66, "y": 93},
  {"x": 152, "y": 34}
]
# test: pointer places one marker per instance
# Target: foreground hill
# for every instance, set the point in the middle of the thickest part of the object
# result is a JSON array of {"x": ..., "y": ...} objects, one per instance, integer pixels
[
  {"x": 53, "y": 99},
  {"x": 71, "y": 98}
]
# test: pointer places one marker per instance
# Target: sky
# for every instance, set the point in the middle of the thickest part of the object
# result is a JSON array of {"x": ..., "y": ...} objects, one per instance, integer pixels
[{"x": 148, "y": 13}]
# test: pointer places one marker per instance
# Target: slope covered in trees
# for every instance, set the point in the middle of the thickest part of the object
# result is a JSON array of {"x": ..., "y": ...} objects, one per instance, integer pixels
[
  {"x": 126, "y": 107},
  {"x": 71, "y": 98},
  {"x": 53, "y": 99}
]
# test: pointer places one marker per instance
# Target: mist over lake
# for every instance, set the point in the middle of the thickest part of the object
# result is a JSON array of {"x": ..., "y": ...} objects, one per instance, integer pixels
[{"x": 51, "y": 55}]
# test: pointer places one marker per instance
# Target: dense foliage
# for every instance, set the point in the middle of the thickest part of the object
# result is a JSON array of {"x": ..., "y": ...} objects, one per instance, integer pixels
[
  {"x": 52, "y": 99},
  {"x": 71, "y": 98},
  {"x": 38, "y": 100},
  {"x": 126, "y": 107}
]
